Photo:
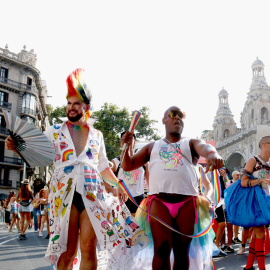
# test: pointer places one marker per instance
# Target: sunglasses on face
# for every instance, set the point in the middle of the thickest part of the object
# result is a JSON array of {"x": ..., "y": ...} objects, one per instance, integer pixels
[{"x": 173, "y": 113}]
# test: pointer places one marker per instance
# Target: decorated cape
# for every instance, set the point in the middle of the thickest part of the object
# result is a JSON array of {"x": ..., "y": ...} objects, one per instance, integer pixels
[{"x": 118, "y": 234}]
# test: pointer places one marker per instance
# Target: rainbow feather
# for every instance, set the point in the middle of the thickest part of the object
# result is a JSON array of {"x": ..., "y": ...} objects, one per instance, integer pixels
[{"x": 76, "y": 86}]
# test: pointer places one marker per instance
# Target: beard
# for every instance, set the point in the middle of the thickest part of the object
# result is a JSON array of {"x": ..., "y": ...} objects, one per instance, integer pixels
[{"x": 74, "y": 118}]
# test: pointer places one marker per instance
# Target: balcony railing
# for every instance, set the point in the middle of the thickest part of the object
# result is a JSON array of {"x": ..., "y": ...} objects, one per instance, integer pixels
[
  {"x": 7, "y": 183},
  {"x": 5, "y": 105},
  {"x": 19, "y": 85},
  {"x": 28, "y": 111},
  {"x": 4, "y": 131},
  {"x": 11, "y": 160}
]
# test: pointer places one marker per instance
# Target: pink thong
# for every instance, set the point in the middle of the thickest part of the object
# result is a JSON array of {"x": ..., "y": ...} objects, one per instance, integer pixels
[{"x": 173, "y": 208}]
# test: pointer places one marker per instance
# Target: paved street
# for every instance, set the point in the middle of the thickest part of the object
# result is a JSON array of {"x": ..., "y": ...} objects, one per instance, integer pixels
[
  {"x": 235, "y": 262},
  {"x": 29, "y": 254},
  {"x": 18, "y": 254}
]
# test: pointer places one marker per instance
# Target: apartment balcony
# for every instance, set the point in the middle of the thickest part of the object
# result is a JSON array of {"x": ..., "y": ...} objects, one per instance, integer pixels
[
  {"x": 18, "y": 85},
  {"x": 5, "y": 105},
  {"x": 4, "y": 131},
  {"x": 26, "y": 110},
  {"x": 6, "y": 183},
  {"x": 11, "y": 160}
]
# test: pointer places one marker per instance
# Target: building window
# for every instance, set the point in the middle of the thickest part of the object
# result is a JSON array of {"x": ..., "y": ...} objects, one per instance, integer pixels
[
  {"x": 2, "y": 121},
  {"x": 29, "y": 81},
  {"x": 3, "y": 74},
  {"x": 226, "y": 133},
  {"x": 3, "y": 98},
  {"x": 29, "y": 104},
  {"x": 264, "y": 115},
  {"x": 2, "y": 148}
]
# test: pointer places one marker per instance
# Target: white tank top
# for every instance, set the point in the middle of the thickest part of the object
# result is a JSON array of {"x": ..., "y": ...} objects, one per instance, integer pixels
[
  {"x": 263, "y": 173},
  {"x": 170, "y": 172},
  {"x": 134, "y": 180}
]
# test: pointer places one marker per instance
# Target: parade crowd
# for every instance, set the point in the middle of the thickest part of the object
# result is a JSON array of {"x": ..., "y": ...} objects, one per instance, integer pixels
[{"x": 93, "y": 204}]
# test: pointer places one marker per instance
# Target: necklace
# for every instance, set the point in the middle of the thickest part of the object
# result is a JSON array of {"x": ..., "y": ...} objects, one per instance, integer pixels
[
  {"x": 263, "y": 160},
  {"x": 166, "y": 140}
]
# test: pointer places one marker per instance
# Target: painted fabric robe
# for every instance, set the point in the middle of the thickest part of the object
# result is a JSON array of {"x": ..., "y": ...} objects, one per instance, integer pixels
[{"x": 117, "y": 231}]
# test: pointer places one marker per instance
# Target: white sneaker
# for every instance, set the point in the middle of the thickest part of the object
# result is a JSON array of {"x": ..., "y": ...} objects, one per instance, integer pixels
[
  {"x": 10, "y": 231},
  {"x": 40, "y": 234},
  {"x": 241, "y": 250}
]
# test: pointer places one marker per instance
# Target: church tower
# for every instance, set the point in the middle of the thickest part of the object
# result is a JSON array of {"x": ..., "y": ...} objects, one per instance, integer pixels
[
  {"x": 257, "y": 106},
  {"x": 224, "y": 125}
]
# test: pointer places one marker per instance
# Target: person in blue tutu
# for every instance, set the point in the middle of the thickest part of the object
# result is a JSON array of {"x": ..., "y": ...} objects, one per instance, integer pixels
[{"x": 257, "y": 172}]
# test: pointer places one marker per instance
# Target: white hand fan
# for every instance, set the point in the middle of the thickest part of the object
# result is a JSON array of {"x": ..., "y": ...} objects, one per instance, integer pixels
[{"x": 30, "y": 143}]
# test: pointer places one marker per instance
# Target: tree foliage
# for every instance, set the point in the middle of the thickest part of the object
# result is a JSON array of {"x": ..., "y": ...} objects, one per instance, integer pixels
[
  {"x": 111, "y": 121},
  {"x": 56, "y": 113}
]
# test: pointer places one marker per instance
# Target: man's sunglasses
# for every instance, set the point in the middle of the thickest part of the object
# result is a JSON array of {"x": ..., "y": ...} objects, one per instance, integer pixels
[{"x": 173, "y": 113}]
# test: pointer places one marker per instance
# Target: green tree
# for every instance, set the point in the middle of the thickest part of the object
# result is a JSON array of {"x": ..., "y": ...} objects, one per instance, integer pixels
[
  {"x": 56, "y": 113},
  {"x": 111, "y": 121}
]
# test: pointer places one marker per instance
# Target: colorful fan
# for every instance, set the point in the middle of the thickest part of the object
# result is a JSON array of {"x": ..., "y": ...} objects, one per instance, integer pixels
[{"x": 30, "y": 143}]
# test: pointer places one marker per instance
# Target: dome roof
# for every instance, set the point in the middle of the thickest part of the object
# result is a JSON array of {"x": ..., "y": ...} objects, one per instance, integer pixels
[
  {"x": 257, "y": 62},
  {"x": 223, "y": 92}
]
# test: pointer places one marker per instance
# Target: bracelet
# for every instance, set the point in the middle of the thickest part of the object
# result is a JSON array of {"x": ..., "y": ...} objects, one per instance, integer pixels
[
  {"x": 258, "y": 181},
  {"x": 211, "y": 152}
]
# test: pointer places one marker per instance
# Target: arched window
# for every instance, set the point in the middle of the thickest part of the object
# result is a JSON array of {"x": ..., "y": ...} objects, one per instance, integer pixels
[
  {"x": 264, "y": 115},
  {"x": 226, "y": 133},
  {"x": 252, "y": 114},
  {"x": 29, "y": 104}
]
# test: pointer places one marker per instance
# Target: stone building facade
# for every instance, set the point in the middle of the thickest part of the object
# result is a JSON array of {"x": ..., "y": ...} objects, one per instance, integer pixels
[
  {"x": 22, "y": 93},
  {"x": 237, "y": 145}
]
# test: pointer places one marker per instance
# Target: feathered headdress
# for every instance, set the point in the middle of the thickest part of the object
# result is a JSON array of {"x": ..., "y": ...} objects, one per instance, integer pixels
[{"x": 77, "y": 87}]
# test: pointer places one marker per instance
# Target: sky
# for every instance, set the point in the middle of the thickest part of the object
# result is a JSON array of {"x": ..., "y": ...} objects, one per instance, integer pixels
[{"x": 146, "y": 53}]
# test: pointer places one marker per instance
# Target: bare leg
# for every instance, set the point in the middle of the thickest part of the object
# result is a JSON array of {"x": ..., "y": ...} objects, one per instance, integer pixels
[
  {"x": 88, "y": 243},
  {"x": 22, "y": 222},
  {"x": 185, "y": 224},
  {"x": 236, "y": 230},
  {"x": 162, "y": 236},
  {"x": 13, "y": 220},
  {"x": 42, "y": 223},
  {"x": 47, "y": 222},
  {"x": 27, "y": 217},
  {"x": 230, "y": 233},
  {"x": 66, "y": 259},
  {"x": 220, "y": 232}
]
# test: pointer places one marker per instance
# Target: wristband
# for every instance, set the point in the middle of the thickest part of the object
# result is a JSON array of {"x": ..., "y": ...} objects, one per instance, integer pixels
[{"x": 211, "y": 152}]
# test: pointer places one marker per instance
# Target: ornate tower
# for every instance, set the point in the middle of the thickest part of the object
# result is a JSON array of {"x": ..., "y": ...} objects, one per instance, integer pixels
[
  {"x": 224, "y": 125},
  {"x": 257, "y": 106}
]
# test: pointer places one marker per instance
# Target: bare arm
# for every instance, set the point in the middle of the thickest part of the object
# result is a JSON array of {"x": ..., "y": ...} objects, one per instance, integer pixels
[
  {"x": 146, "y": 175},
  {"x": 200, "y": 148},
  {"x": 207, "y": 187},
  {"x": 246, "y": 181},
  {"x": 110, "y": 189},
  {"x": 139, "y": 159},
  {"x": 108, "y": 175}
]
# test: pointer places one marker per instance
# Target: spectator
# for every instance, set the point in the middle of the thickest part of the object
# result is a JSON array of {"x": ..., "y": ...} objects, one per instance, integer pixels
[
  {"x": 25, "y": 197},
  {"x": 14, "y": 213}
]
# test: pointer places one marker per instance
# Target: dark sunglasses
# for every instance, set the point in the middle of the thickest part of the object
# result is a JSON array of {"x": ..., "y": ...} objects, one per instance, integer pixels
[{"x": 173, "y": 113}]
